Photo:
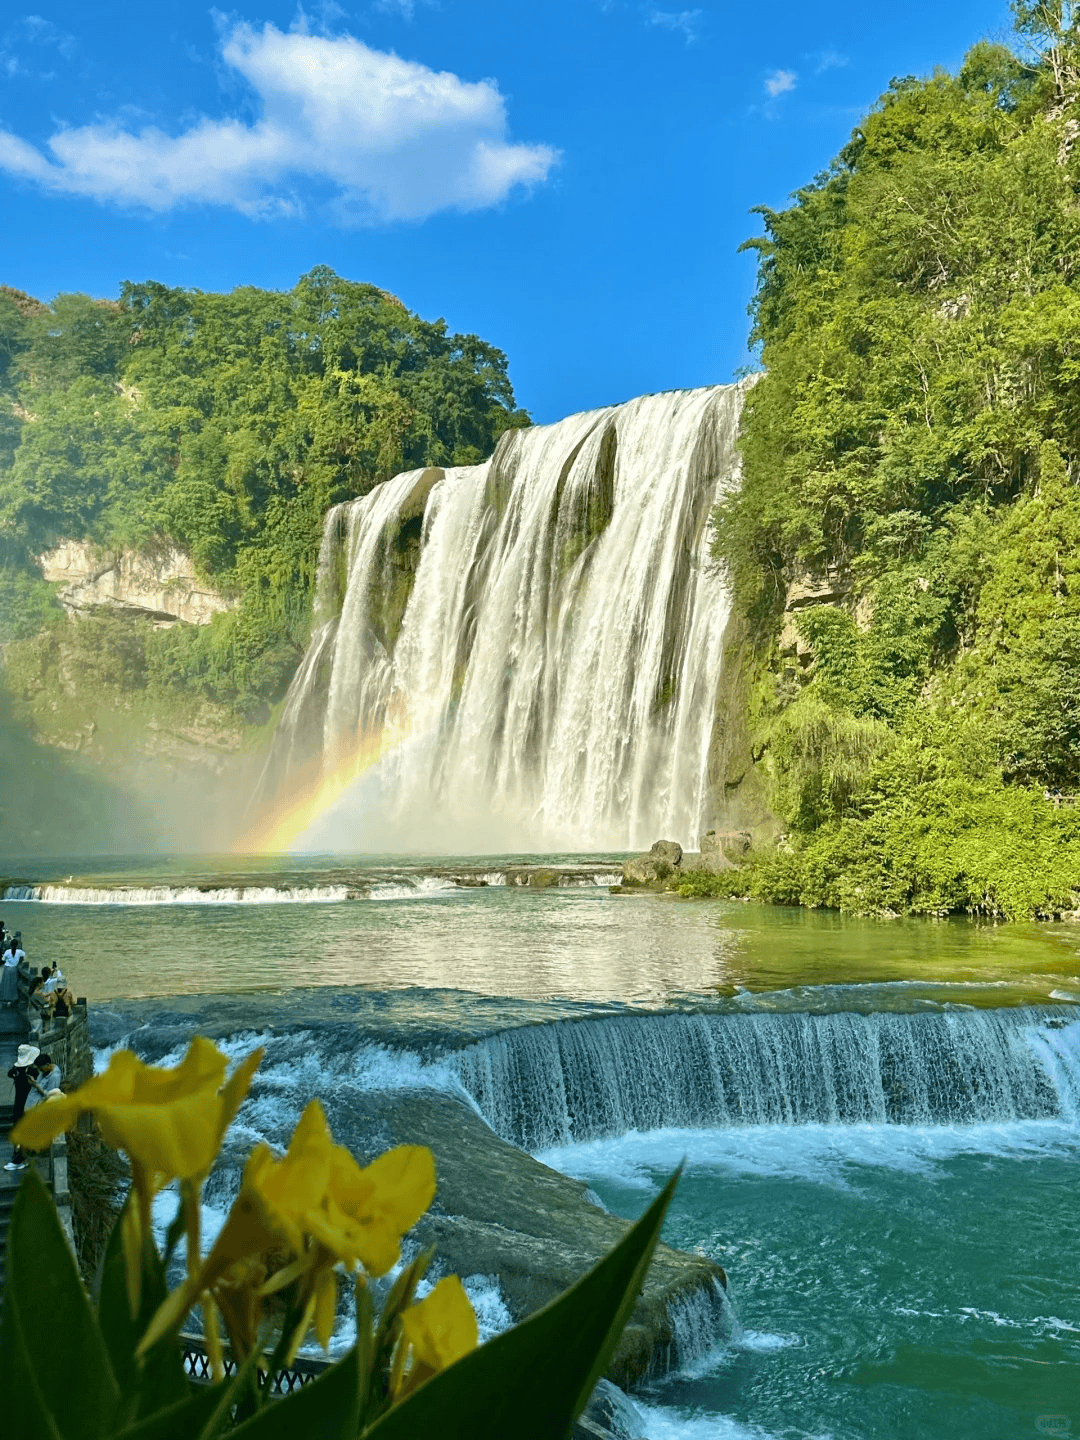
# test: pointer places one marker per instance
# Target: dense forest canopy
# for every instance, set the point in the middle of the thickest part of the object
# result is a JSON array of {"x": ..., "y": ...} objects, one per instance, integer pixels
[
  {"x": 915, "y": 436},
  {"x": 228, "y": 423}
]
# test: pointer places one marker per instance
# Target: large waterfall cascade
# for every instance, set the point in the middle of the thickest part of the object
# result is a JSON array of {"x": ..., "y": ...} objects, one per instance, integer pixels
[{"x": 524, "y": 654}]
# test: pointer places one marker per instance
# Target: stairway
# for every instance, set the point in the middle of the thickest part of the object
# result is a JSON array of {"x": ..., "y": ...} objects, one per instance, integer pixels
[{"x": 52, "y": 1168}]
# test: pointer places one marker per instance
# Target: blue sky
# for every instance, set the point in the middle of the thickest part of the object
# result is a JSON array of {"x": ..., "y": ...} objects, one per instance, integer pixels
[{"x": 568, "y": 179}]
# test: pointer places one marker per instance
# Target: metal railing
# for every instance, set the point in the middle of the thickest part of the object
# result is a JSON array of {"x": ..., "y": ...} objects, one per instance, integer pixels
[{"x": 196, "y": 1360}]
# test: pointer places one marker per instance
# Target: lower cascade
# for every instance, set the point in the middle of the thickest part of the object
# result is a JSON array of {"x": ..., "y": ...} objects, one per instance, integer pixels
[
  {"x": 522, "y": 654},
  {"x": 580, "y": 1080}
]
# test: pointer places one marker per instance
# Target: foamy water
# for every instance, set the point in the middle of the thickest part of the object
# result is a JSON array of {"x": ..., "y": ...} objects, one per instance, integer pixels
[{"x": 178, "y": 895}]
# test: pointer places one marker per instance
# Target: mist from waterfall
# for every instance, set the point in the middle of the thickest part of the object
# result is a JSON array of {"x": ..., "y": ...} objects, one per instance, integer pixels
[{"x": 523, "y": 654}]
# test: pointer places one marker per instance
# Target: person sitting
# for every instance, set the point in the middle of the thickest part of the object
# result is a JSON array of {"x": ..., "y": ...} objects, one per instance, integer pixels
[
  {"x": 45, "y": 1081},
  {"x": 64, "y": 1004}
]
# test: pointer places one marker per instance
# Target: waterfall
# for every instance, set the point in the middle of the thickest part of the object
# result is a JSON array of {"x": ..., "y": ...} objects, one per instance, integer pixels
[
  {"x": 579, "y": 1080},
  {"x": 523, "y": 654}
]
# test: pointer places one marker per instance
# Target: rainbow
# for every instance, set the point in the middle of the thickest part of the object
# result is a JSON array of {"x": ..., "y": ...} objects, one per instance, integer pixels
[{"x": 310, "y": 793}]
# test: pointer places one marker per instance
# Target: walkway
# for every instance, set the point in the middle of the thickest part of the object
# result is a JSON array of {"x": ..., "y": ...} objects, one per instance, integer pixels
[{"x": 13, "y": 1032}]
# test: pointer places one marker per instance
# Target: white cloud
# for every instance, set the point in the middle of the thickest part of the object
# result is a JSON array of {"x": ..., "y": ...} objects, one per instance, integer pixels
[
  {"x": 779, "y": 82},
  {"x": 684, "y": 20},
  {"x": 390, "y": 139},
  {"x": 828, "y": 60}
]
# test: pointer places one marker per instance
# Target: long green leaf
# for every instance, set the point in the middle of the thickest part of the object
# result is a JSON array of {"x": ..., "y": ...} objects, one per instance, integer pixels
[
  {"x": 55, "y": 1375},
  {"x": 325, "y": 1409},
  {"x": 532, "y": 1382},
  {"x": 180, "y": 1421}
]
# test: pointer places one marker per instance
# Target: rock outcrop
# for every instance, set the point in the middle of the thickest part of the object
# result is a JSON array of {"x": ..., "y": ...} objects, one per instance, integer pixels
[
  {"x": 500, "y": 1212},
  {"x": 666, "y": 861},
  {"x": 609, "y": 1415},
  {"x": 157, "y": 583}
]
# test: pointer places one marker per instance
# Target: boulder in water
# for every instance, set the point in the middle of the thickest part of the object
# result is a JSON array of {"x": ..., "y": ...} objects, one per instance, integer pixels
[
  {"x": 500, "y": 1212},
  {"x": 662, "y": 861}
]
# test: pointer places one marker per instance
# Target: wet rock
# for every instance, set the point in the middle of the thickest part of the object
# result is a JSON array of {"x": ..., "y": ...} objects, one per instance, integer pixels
[
  {"x": 498, "y": 1211},
  {"x": 658, "y": 865},
  {"x": 536, "y": 877},
  {"x": 609, "y": 1415}
]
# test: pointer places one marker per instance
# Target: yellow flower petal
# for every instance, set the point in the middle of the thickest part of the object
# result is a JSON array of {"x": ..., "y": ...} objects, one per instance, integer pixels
[
  {"x": 40, "y": 1126},
  {"x": 169, "y": 1121},
  {"x": 386, "y": 1199},
  {"x": 441, "y": 1328}
]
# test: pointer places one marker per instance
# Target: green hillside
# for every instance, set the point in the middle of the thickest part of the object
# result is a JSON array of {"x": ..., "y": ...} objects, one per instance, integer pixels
[
  {"x": 915, "y": 440},
  {"x": 228, "y": 423}
]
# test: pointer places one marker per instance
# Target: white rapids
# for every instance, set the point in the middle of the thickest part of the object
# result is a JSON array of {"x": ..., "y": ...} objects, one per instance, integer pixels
[{"x": 552, "y": 681}]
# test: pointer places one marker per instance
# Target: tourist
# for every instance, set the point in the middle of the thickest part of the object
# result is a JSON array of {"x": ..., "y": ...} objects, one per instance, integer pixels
[
  {"x": 46, "y": 1080},
  {"x": 9, "y": 981},
  {"x": 23, "y": 1074},
  {"x": 38, "y": 1005},
  {"x": 53, "y": 978}
]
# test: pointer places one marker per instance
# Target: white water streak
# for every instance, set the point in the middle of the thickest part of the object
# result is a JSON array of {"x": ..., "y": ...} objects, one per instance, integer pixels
[{"x": 178, "y": 895}]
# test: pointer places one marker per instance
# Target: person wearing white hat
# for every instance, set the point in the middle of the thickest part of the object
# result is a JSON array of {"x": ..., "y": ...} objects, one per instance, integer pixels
[{"x": 23, "y": 1073}]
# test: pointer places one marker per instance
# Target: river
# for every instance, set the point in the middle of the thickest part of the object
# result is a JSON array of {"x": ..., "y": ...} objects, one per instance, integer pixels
[{"x": 880, "y": 1119}]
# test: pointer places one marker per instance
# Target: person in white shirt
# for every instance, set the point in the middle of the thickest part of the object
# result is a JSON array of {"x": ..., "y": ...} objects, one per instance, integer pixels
[
  {"x": 9, "y": 980},
  {"x": 53, "y": 978}
]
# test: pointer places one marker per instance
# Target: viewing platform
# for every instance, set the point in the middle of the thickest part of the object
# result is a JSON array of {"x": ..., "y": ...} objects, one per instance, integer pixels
[{"x": 67, "y": 1041}]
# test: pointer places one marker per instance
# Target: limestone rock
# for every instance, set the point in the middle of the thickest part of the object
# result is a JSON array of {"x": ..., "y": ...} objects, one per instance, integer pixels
[
  {"x": 724, "y": 846},
  {"x": 657, "y": 866},
  {"x": 609, "y": 1415},
  {"x": 158, "y": 583},
  {"x": 536, "y": 877},
  {"x": 667, "y": 852},
  {"x": 498, "y": 1211}
]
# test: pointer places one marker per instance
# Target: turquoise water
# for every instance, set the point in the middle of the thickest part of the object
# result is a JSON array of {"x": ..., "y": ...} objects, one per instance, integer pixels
[
  {"x": 921, "y": 1283},
  {"x": 890, "y": 1280}
]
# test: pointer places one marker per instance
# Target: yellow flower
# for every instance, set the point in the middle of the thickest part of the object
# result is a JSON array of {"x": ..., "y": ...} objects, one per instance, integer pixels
[
  {"x": 435, "y": 1332},
  {"x": 318, "y": 1192},
  {"x": 320, "y": 1205},
  {"x": 169, "y": 1122}
]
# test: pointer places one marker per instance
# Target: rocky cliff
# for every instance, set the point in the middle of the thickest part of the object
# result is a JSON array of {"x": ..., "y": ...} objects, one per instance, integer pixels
[{"x": 156, "y": 583}]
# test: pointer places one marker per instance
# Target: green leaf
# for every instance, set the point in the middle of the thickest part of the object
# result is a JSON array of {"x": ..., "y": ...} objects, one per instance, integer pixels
[
  {"x": 228, "y": 1396},
  {"x": 159, "y": 1378},
  {"x": 179, "y": 1421},
  {"x": 533, "y": 1381},
  {"x": 325, "y": 1409},
  {"x": 55, "y": 1376}
]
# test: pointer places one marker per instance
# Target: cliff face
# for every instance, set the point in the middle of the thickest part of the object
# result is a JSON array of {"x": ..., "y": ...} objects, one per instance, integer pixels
[{"x": 158, "y": 584}]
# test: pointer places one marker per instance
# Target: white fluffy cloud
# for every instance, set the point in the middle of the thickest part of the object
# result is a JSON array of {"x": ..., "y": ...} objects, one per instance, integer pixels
[
  {"x": 778, "y": 82},
  {"x": 390, "y": 138}
]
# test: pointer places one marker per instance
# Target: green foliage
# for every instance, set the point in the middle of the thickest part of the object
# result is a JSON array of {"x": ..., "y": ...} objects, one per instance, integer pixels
[
  {"x": 228, "y": 424},
  {"x": 916, "y": 434},
  {"x": 530, "y": 1382}
]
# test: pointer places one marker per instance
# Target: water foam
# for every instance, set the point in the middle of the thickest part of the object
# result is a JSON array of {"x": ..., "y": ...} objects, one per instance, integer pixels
[
  {"x": 179, "y": 894},
  {"x": 820, "y": 1154},
  {"x": 424, "y": 887}
]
